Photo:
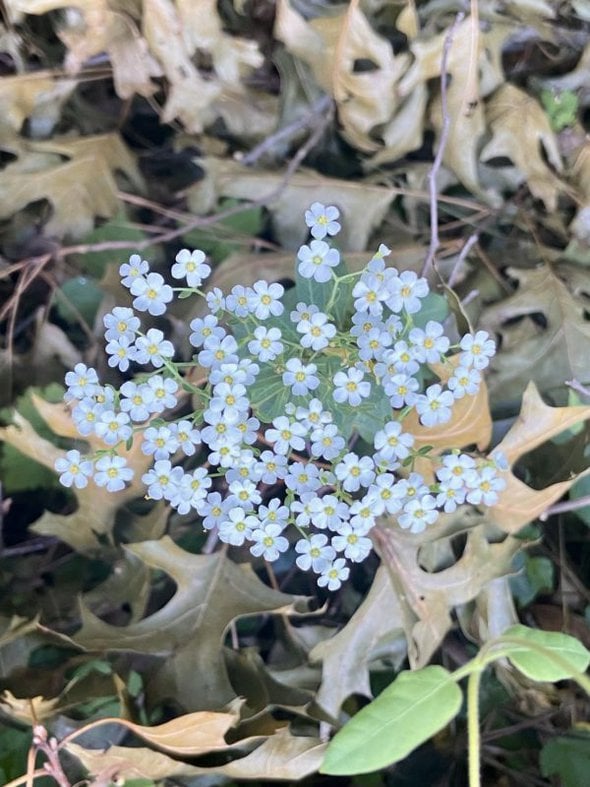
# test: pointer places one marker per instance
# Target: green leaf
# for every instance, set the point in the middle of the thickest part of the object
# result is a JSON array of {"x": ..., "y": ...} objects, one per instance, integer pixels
[
  {"x": 536, "y": 574},
  {"x": 434, "y": 307},
  {"x": 582, "y": 489},
  {"x": 221, "y": 240},
  {"x": 309, "y": 291},
  {"x": 568, "y": 758},
  {"x": 538, "y": 666},
  {"x": 78, "y": 297},
  {"x": 268, "y": 395},
  {"x": 410, "y": 711},
  {"x": 117, "y": 229},
  {"x": 20, "y": 473}
]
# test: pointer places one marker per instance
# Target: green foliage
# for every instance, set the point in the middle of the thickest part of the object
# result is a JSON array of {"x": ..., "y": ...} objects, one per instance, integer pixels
[
  {"x": 561, "y": 107},
  {"x": 407, "y": 713},
  {"x": 567, "y": 758},
  {"x": 228, "y": 235},
  {"x": 536, "y": 574},
  {"x": 419, "y": 704},
  {"x": 79, "y": 297}
]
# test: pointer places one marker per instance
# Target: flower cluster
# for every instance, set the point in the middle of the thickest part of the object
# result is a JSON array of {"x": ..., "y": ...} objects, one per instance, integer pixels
[{"x": 266, "y": 453}]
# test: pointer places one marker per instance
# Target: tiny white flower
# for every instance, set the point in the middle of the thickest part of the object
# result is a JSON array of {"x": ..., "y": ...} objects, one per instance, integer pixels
[
  {"x": 153, "y": 348},
  {"x": 435, "y": 406},
  {"x": 322, "y": 220},
  {"x": 112, "y": 472},
  {"x": 74, "y": 470},
  {"x": 264, "y": 299},
  {"x": 350, "y": 388},
  {"x": 268, "y": 542},
  {"x": 136, "y": 268},
  {"x": 152, "y": 294},
  {"x": 301, "y": 378},
  {"x": 192, "y": 266},
  {"x": 317, "y": 260},
  {"x": 315, "y": 553},
  {"x": 477, "y": 350},
  {"x": 334, "y": 575}
]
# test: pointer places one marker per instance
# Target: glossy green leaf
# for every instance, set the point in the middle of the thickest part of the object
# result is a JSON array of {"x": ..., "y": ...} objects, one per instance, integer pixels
[
  {"x": 573, "y": 656},
  {"x": 410, "y": 711}
]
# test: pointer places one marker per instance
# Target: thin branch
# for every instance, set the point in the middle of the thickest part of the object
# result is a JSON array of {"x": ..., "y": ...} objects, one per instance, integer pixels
[
  {"x": 467, "y": 246},
  {"x": 569, "y": 505},
  {"x": 577, "y": 386},
  {"x": 308, "y": 120},
  {"x": 442, "y": 144}
]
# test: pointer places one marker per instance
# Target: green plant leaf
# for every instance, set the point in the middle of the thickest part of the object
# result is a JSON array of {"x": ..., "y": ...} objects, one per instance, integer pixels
[
  {"x": 568, "y": 758},
  {"x": 538, "y": 666},
  {"x": 268, "y": 394},
  {"x": 434, "y": 307},
  {"x": 581, "y": 489},
  {"x": 79, "y": 296},
  {"x": 535, "y": 574},
  {"x": 410, "y": 711}
]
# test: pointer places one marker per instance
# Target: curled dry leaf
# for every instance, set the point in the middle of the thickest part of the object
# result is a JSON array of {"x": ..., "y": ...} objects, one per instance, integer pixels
[
  {"x": 28, "y": 710},
  {"x": 331, "y": 46},
  {"x": 78, "y": 189},
  {"x": 537, "y": 423},
  {"x": 282, "y": 756},
  {"x": 522, "y": 132},
  {"x": 471, "y": 422},
  {"x": 37, "y": 98},
  {"x": 363, "y": 205},
  {"x": 95, "y": 515},
  {"x": 547, "y": 351}
]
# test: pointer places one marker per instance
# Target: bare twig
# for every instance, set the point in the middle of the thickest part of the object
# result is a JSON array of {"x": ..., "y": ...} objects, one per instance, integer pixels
[
  {"x": 467, "y": 246},
  {"x": 49, "y": 747},
  {"x": 307, "y": 121},
  {"x": 577, "y": 386},
  {"x": 442, "y": 144},
  {"x": 568, "y": 505}
]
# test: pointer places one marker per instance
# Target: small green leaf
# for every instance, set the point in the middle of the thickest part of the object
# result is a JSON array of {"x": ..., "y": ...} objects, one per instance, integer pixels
[
  {"x": 410, "y": 711},
  {"x": 78, "y": 297},
  {"x": 268, "y": 394},
  {"x": 434, "y": 307},
  {"x": 538, "y": 666},
  {"x": 581, "y": 489},
  {"x": 568, "y": 758}
]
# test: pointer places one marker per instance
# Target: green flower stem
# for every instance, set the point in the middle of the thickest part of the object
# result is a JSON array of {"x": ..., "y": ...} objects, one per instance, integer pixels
[{"x": 473, "y": 733}]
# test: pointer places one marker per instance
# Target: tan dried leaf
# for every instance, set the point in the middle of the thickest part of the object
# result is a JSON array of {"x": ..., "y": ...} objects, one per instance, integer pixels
[
  {"x": 28, "y": 710},
  {"x": 79, "y": 190},
  {"x": 363, "y": 204},
  {"x": 537, "y": 423},
  {"x": 331, "y": 46},
  {"x": 522, "y": 132},
  {"x": 550, "y": 352},
  {"x": 282, "y": 756},
  {"x": 36, "y": 97}
]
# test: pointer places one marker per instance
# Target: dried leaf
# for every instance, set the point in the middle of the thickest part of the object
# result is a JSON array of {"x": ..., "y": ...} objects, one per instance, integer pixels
[
  {"x": 37, "y": 98},
  {"x": 363, "y": 205},
  {"x": 537, "y": 423},
  {"x": 332, "y": 46},
  {"x": 471, "y": 422},
  {"x": 211, "y": 592},
  {"x": 550, "y": 352},
  {"x": 282, "y": 756},
  {"x": 95, "y": 515},
  {"x": 522, "y": 132},
  {"x": 28, "y": 710},
  {"x": 79, "y": 189}
]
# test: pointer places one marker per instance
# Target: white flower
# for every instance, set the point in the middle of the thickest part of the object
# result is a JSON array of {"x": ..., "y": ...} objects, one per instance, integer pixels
[
  {"x": 264, "y": 299},
  {"x": 192, "y": 266},
  {"x": 217, "y": 351},
  {"x": 353, "y": 472},
  {"x": 136, "y": 268},
  {"x": 112, "y": 472},
  {"x": 162, "y": 480},
  {"x": 454, "y": 469},
  {"x": 303, "y": 477},
  {"x": 334, "y": 575},
  {"x": 373, "y": 343},
  {"x": 266, "y": 345},
  {"x": 136, "y": 401},
  {"x": 153, "y": 348},
  {"x": 237, "y": 526},
  {"x": 303, "y": 312},
  {"x": 286, "y": 435},
  {"x": 484, "y": 486},
  {"x": 316, "y": 332},
  {"x": 152, "y": 294},
  {"x": 238, "y": 301},
  {"x": 300, "y": 377},
  {"x": 245, "y": 493},
  {"x": 465, "y": 381},
  {"x": 391, "y": 443},
  {"x": 272, "y": 467},
  {"x": 429, "y": 344},
  {"x": 369, "y": 294},
  {"x": 313, "y": 415},
  {"x": 82, "y": 382},
  {"x": 322, "y": 220},
  {"x": 449, "y": 497},
  {"x": 215, "y": 300},
  {"x": 203, "y": 327},
  {"x": 186, "y": 436},
  {"x": 315, "y": 553},
  {"x": 191, "y": 491},
  {"x": 268, "y": 542},
  {"x": 418, "y": 514},
  {"x": 477, "y": 350},
  {"x": 317, "y": 260},
  {"x": 121, "y": 351},
  {"x": 328, "y": 512},
  {"x": 401, "y": 390},
  {"x": 113, "y": 427},
  {"x": 326, "y": 442},
  {"x": 406, "y": 291},
  {"x": 355, "y": 545},
  {"x": 159, "y": 441},
  {"x": 350, "y": 387},
  {"x": 434, "y": 407},
  {"x": 120, "y": 322},
  {"x": 163, "y": 390},
  {"x": 380, "y": 495},
  {"x": 74, "y": 470}
]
